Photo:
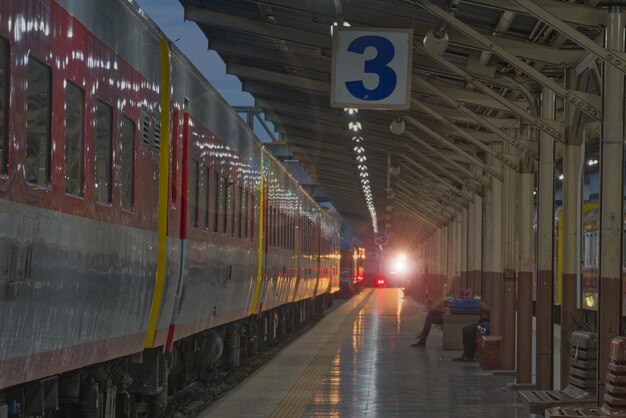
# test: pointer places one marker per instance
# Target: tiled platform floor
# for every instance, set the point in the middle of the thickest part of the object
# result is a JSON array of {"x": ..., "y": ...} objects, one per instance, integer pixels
[{"x": 358, "y": 362}]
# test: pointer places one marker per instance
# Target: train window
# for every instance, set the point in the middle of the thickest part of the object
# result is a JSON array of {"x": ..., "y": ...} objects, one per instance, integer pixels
[
  {"x": 244, "y": 213},
  {"x": 230, "y": 229},
  {"x": 292, "y": 233},
  {"x": 214, "y": 201},
  {"x": 4, "y": 101},
  {"x": 203, "y": 204},
  {"x": 174, "y": 159},
  {"x": 231, "y": 209},
  {"x": 104, "y": 152},
  {"x": 127, "y": 180},
  {"x": 224, "y": 203},
  {"x": 38, "y": 116},
  {"x": 74, "y": 139},
  {"x": 193, "y": 192},
  {"x": 272, "y": 226},
  {"x": 278, "y": 229},
  {"x": 251, "y": 216},
  {"x": 283, "y": 230},
  {"x": 240, "y": 206}
]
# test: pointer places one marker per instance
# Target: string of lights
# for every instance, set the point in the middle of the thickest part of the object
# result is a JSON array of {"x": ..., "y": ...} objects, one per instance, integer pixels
[{"x": 359, "y": 154}]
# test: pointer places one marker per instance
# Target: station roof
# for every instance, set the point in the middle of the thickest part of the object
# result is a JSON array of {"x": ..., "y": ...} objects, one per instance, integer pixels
[{"x": 474, "y": 110}]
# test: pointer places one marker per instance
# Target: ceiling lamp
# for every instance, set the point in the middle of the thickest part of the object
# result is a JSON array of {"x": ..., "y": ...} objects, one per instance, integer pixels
[
  {"x": 397, "y": 126},
  {"x": 436, "y": 40}
]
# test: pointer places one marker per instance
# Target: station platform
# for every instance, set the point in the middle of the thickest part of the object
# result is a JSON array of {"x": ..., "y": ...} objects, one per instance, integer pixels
[{"x": 358, "y": 362}]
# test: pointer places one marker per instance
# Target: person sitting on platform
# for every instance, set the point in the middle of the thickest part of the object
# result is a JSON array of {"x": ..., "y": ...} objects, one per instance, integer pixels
[
  {"x": 434, "y": 316},
  {"x": 469, "y": 334}
]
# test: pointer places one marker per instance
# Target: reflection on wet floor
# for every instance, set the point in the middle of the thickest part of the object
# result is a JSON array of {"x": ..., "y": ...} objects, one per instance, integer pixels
[{"x": 376, "y": 373}]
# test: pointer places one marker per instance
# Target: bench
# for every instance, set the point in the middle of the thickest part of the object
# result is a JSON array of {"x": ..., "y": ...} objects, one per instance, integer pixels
[
  {"x": 582, "y": 377},
  {"x": 453, "y": 329},
  {"x": 615, "y": 396}
]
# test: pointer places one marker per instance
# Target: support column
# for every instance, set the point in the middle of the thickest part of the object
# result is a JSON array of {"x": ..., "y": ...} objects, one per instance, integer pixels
[
  {"x": 451, "y": 259},
  {"x": 545, "y": 233},
  {"x": 470, "y": 244},
  {"x": 492, "y": 260},
  {"x": 509, "y": 261},
  {"x": 569, "y": 229},
  {"x": 526, "y": 266},
  {"x": 611, "y": 200},
  {"x": 458, "y": 246},
  {"x": 477, "y": 242},
  {"x": 463, "y": 246},
  {"x": 443, "y": 261}
]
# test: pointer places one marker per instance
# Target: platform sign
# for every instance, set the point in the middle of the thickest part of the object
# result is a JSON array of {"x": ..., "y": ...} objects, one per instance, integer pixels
[
  {"x": 372, "y": 68},
  {"x": 381, "y": 238}
]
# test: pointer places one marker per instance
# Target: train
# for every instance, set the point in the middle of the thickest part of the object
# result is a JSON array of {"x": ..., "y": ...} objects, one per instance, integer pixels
[
  {"x": 589, "y": 259},
  {"x": 145, "y": 232}
]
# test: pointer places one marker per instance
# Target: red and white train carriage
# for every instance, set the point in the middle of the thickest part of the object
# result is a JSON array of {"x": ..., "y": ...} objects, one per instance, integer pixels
[{"x": 142, "y": 224}]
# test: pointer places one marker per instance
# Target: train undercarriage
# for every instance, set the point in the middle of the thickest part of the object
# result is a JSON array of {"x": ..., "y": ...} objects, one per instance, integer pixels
[{"x": 140, "y": 386}]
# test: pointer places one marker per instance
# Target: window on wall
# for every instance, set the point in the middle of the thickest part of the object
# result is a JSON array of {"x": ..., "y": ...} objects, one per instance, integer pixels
[
  {"x": 104, "y": 152},
  {"x": 215, "y": 202},
  {"x": 4, "y": 102},
  {"x": 74, "y": 139},
  {"x": 127, "y": 180},
  {"x": 204, "y": 198},
  {"x": 193, "y": 193},
  {"x": 38, "y": 116}
]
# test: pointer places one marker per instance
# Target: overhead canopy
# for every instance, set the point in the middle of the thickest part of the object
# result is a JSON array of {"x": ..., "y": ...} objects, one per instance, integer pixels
[{"x": 474, "y": 109}]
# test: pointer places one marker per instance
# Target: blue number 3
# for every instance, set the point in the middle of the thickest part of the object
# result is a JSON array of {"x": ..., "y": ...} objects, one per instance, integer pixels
[{"x": 387, "y": 78}]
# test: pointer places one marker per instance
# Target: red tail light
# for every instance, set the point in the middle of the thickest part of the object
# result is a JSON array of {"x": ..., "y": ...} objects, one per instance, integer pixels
[{"x": 380, "y": 281}]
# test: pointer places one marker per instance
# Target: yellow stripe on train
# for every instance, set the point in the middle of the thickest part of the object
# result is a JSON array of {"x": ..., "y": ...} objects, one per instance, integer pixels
[{"x": 164, "y": 159}]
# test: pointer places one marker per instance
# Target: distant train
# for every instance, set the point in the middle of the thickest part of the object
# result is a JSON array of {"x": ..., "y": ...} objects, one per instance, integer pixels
[
  {"x": 144, "y": 230},
  {"x": 590, "y": 257}
]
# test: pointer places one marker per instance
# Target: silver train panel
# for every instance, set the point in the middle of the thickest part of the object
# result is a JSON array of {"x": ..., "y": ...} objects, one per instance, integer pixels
[{"x": 70, "y": 282}]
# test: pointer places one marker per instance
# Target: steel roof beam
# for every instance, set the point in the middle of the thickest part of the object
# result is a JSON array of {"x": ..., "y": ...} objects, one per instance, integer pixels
[
  {"x": 435, "y": 219},
  {"x": 282, "y": 106},
  {"x": 224, "y": 20},
  {"x": 466, "y": 96},
  {"x": 456, "y": 114},
  {"x": 478, "y": 179},
  {"x": 375, "y": 135},
  {"x": 436, "y": 178},
  {"x": 576, "y": 14},
  {"x": 424, "y": 218},
  {"x": 587, "y": 103},
  {"x": 470, "y": 137},
  {"x": 486, "y": 167},
  {"x": 373, "y": 17},
  {"x": 426, "y": 198},
  {"x": 315, "y": 7},
  {"x": 449, "y": 174},
  {"x": 551, "y": 127},
  {"x": 611, "y": 57},
  {"x": 284, "y": 92},
  {"x": 279, "y": 78},
  {"x": 243, "y": 49},
  {"x": 480, "y": 120}
]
